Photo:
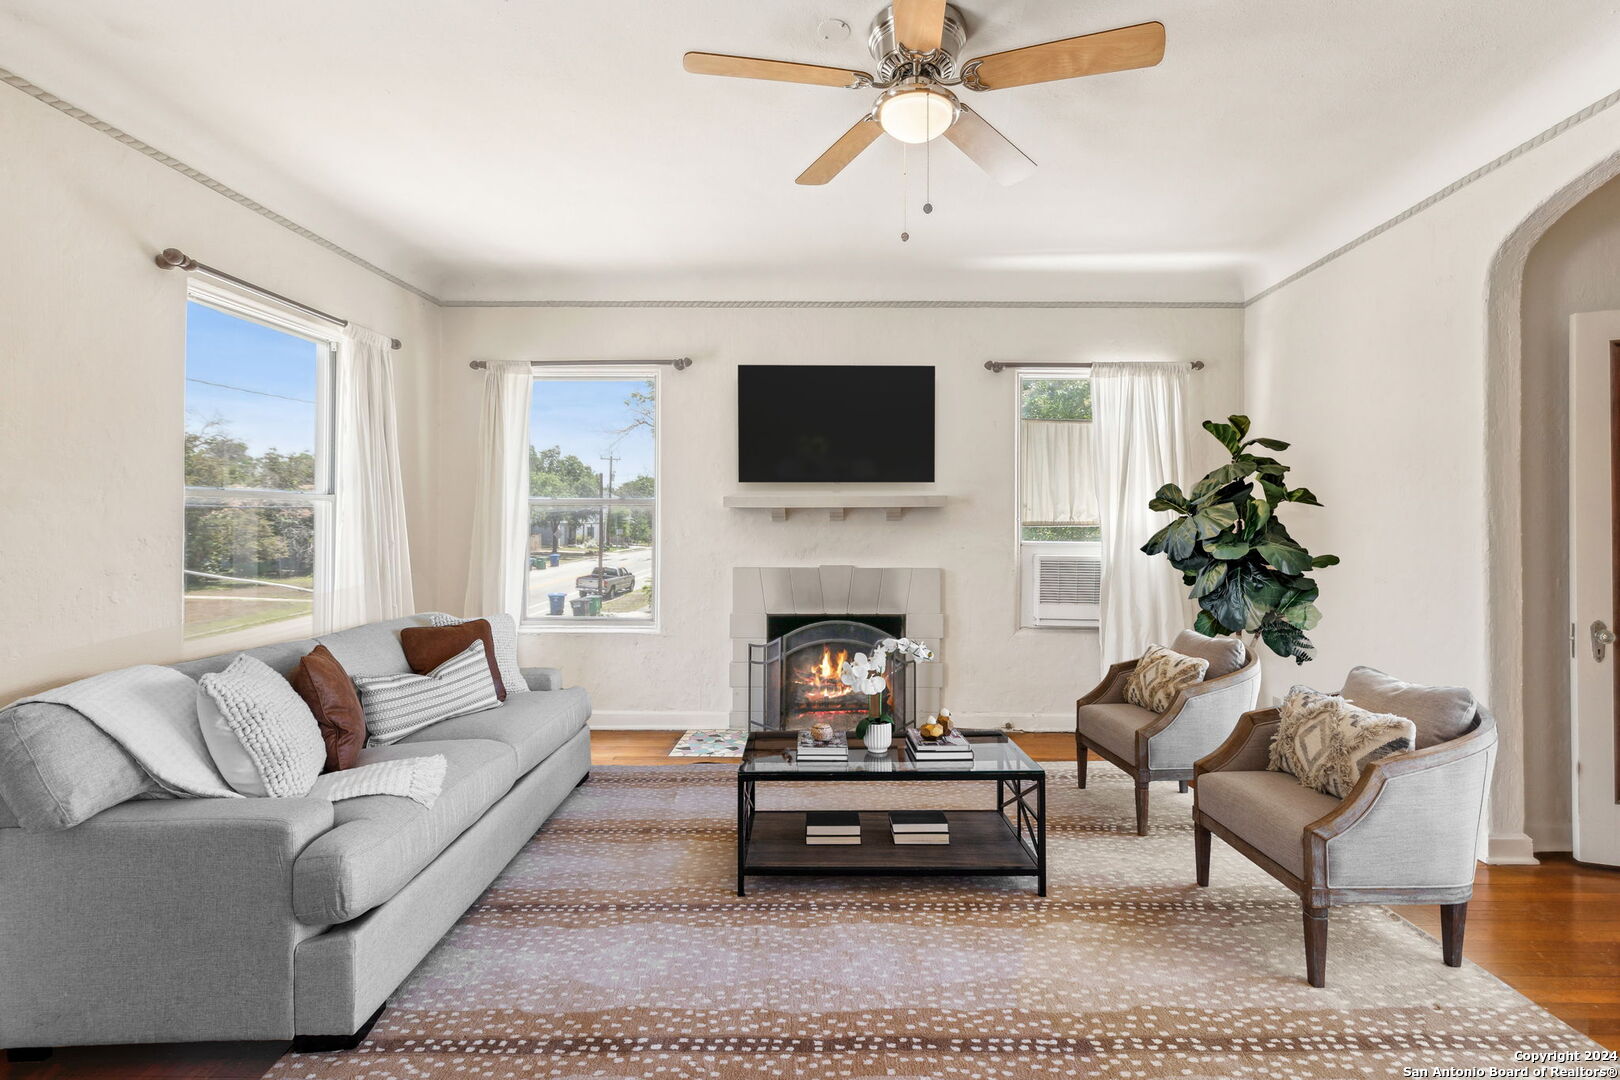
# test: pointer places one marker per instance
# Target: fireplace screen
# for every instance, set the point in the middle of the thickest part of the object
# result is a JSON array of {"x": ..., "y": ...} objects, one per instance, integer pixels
[{"x": 793, "y": 679}]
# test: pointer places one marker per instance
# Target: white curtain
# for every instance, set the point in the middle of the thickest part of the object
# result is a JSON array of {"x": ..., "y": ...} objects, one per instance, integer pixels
[
  {"x": 495, "y": 569},
  {"x": 371, "y": 556},
  {"x": 1140, "y": 423},
  {"x": 1059, "y": 478}
]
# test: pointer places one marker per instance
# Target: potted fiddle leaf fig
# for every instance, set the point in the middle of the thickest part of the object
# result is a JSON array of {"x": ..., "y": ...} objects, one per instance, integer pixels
[{"x": 1247, "y": 573}]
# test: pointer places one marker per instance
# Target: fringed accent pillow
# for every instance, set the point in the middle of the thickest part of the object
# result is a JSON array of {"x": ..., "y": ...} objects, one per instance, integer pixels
[
  {"x": 1326, "y": 742},
  {"x": 397, "y": 705},
  {"x": 1160, "y": 675}
]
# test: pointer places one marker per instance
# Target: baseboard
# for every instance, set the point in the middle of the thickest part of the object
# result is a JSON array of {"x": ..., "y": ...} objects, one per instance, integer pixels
[
  {"x": 1016, "y": 721},
  {"x": 1511, "y": 849},
  {"x": 648, "y": 720},
  {"x": 1551, "y": 836}
]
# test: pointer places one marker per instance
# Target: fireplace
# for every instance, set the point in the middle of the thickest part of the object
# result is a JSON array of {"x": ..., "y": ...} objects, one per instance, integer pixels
[
  {"x": 796, "y": 671},
  {"x": 769, "y": 603}
]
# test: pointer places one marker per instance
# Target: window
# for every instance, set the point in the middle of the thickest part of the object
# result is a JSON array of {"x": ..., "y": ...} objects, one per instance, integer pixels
[
  {"x": 1059, "y": 531},
  {"x": 258, "y": 475},
  {"x": 591, "y": 561}
]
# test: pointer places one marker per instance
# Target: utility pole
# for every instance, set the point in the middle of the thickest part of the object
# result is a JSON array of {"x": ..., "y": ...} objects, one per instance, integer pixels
[
  {"x": 601, "y": 546},
  {"x": 601, "y": 528}
]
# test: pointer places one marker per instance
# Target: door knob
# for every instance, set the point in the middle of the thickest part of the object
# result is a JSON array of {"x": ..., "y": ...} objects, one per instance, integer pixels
[{"x": 1602, "y": 638}]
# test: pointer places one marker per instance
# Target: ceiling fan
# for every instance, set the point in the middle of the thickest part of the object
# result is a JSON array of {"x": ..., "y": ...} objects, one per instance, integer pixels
[{"x": 916, "y": 44}]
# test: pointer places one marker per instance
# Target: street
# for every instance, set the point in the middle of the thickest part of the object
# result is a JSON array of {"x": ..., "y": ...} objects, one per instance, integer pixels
[{"x": 553, "y": 579}]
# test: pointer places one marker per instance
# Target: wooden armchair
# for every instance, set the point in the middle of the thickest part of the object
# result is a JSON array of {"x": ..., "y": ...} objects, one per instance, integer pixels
[
  {"x": 1162, "y": 746},
  {"x": 1406, "y": 833}
]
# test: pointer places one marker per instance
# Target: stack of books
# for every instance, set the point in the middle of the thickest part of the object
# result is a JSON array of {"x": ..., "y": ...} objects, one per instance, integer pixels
[
  {"x": 835, "y": 749},
  {"x": 832, "y": 827},
  {"x": 948, "y": 747},
  {"x": 919, "y": 827}
]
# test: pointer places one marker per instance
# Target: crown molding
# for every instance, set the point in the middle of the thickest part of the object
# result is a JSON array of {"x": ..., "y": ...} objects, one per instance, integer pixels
[{"x": 913, "y": 304}]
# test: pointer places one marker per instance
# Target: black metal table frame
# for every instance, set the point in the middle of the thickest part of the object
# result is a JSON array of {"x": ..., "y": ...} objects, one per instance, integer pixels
[{"x": 1028, "y": 826}]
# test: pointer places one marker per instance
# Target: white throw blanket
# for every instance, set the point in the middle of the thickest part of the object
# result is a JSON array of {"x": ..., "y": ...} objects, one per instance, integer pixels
[{"x": 151, "y": 712}]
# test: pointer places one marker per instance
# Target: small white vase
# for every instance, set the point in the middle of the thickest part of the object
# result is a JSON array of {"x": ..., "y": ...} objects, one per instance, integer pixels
[{"x": 879, "y": 737}]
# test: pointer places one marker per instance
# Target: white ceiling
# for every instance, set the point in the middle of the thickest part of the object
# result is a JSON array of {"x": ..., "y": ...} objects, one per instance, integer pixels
[{"x": 502, "y": 149}]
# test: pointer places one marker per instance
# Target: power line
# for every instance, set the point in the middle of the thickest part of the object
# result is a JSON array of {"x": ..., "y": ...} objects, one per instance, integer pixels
[{"x": 245, "y": 390}]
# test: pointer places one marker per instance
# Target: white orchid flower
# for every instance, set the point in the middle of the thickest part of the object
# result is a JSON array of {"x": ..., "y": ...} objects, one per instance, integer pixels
[
  {"x": 875, "y": 684},
  {"x": 924, "y": 653},
  {"x": 891, "y": 643}
]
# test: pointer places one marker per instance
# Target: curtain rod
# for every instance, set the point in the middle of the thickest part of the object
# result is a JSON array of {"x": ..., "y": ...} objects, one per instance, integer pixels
[
  {"x": 175, "y": 259},
  {"x": 679, "y": 363},
  {"x": 999, "y": 366}
]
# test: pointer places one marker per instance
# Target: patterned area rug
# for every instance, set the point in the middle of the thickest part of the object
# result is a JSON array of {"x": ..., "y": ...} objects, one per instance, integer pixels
[
  {"x": 711, "y": 742},
  {"x": 614, "y": 945}
]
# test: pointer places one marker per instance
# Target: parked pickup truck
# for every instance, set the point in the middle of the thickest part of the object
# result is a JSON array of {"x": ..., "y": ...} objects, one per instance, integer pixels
[{"x": 606, "y": 582}]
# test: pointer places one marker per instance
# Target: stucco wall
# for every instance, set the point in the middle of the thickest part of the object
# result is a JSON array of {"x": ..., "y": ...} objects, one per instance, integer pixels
[
  {"x": 92, "y": 349},
  {"x": 1380, "y": 366},
  {"x": 996, "y": 672}
]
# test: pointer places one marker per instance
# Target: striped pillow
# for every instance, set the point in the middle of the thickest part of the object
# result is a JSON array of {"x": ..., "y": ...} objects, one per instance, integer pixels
[{"x": 397, "y": 705}]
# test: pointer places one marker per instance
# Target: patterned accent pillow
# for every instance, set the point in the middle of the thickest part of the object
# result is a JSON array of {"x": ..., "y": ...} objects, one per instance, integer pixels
[
  {"x": 261, "y": 735},
  {"x": 503, "y": 630},
  {"x": 1326, "y": 742},
  {"x": 397, "y": 705},
  {"x": 1160, "y": 675}
]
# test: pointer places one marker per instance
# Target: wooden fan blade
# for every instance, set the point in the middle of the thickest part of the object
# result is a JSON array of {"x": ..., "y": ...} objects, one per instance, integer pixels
[
  {"x": 842, "y": 152},
  {"x": 750, "y": 67},
  {"x": 989, "y": 148},
  {"x": 1129, "y": 47},
  {"x": 919, "y": 25}
]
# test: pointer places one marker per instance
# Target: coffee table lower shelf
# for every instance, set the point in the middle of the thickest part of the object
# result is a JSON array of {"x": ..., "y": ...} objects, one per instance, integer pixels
[{"x": 983, "y": 843}]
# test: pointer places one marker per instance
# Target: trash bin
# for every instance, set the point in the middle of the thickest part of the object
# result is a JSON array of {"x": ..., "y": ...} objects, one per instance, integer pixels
[
  {"x": 580, "y": 605},
  {"x": 556, "y": 599},
  {"x": 556, "y": 560},
  {"x": 596, "y": 604}
]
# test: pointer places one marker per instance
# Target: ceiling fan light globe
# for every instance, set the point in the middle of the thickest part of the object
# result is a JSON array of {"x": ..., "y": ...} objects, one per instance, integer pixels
[{"x": 917, "y": 115}]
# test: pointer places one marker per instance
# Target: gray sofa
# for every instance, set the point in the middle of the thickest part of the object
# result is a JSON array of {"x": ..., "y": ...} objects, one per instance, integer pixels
[{"x": 162, "y": 920}]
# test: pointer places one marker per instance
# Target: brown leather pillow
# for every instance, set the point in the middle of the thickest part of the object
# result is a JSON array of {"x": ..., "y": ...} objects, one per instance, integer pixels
[
  {"x": 426, "y": 647},
  {"x": 329, "y": 692}
]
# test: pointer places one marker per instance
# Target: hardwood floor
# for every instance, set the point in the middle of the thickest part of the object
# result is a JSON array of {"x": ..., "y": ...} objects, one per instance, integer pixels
[{"x": 1552, "y": 932}]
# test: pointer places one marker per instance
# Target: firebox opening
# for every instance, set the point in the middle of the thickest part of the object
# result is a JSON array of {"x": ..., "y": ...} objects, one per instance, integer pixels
[{"x": 778, "y": 625}]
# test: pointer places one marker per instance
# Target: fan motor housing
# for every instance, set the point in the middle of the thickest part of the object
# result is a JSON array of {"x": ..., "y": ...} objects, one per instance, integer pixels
[{"x": 893, "y": 59}]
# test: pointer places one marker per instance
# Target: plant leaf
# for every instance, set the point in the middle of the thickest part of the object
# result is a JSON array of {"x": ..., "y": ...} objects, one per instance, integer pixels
[
  {"x": 1155, "y": 542},
  {"x": 1169, "y": 497},
  {"x": 1228, "y": 547},
  {"x": 1207, "y": 625},
  {"x": 1302, "y": 614},
  {"x": 1229, "y": 436},
  {"x": 1269, "y": 444},
  {"x": 1324, "y": 560},
  {"x": 1180, "y": 538},
  {"x": 1285, "y": 555},
  {"x": 1237, "y": 469},
  {"x": 1208, "y": 580},
  {"x": 1241, "y": 423},
  {"x": 1215, "y": 519},
  {"x": 1303, "y": 495}
]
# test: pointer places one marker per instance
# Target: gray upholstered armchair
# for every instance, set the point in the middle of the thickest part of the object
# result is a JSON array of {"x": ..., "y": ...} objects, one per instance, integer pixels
[
  {"x": 1163, "y": 746},
  {"x": 1406, "y": 834}
]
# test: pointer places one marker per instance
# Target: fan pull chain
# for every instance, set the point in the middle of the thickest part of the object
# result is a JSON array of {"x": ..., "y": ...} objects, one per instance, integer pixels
[
  {"x": 928, "y": 172},
  {"x": 905, "y": 192}
]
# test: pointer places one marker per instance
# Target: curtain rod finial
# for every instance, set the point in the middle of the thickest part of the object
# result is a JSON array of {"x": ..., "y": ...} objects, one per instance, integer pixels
[
  {"x": 174, "y": 259},
  {"x": 993, "y": 365},
  {"x": 682, "y": 363},
  {"x": 478, "y": 365},
  {"x": 1198, "y": 365}
]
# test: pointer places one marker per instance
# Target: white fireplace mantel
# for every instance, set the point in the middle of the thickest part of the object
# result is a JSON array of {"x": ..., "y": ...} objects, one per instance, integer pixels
[{"x": 836, "y": 504}]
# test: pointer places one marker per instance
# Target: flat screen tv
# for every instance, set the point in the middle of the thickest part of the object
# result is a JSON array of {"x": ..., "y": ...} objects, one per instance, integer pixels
[{"x": 839, "y": 423}]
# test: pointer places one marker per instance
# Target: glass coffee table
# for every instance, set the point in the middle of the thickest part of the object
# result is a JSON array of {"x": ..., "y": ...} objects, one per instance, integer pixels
[{"x": 1008, "y": 841}]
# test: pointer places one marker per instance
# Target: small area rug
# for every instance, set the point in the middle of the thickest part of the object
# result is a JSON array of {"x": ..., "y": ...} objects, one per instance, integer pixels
[
  {"x": 710, "y": 742},
  {"x": 615, "y": 946}
]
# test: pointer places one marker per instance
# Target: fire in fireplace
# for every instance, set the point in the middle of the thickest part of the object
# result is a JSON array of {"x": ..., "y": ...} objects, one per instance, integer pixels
[{"x": 793, "y": 678}]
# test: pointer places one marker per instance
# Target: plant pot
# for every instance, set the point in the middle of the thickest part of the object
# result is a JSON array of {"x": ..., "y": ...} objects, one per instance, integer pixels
[{"x": 879, "y": 736}]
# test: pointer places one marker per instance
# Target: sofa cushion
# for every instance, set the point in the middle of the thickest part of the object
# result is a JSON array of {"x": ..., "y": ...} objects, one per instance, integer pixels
[
  {"x": 1225, "y": 654},
  {"x": 372, "y": 649},
  {"x": 1266, "y": 809},
  {"x": 1114, "y": 726},
  {"x": 533, "y": 725},
  {"x": 378, "y": 843},
  {"x": 283, "y": 657},
  {"x": 58, "y": 769},
  {"x": 1441, "y": 713}
]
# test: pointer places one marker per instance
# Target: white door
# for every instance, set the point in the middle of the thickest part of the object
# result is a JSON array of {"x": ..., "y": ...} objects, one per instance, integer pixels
[{"x": 1594, "y": 556}]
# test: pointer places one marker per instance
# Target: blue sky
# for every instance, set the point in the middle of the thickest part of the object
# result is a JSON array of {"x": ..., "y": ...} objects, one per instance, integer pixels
[
  {"x": 583, "y": 416},
  {"x": 265, "y": 367}
]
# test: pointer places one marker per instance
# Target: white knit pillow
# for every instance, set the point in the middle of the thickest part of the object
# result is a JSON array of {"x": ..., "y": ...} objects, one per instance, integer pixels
[
  {"x": 261, "y": 735},
  {"x": 396, "y": 705},
  {"x": 503, "y": 631}
]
